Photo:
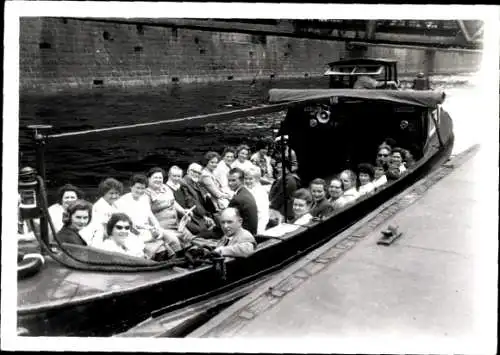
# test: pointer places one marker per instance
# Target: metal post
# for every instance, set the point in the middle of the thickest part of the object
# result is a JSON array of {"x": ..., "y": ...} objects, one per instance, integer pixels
[
  {"x": 40, "y": 139},
  {"x": 283, "y": 176}
]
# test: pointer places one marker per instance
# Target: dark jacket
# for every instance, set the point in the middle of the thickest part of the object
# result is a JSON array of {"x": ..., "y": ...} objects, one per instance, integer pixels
[
  {"x": 69, "y": 235},
  {"x": 321, "y": 209},
  {"x": 244, "y": 201},
  {"x": 188, "y": 195},
  {"x": 277, "y": 196}
]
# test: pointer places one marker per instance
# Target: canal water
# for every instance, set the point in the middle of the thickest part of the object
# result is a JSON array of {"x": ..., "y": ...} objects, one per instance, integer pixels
[{"x": 86, "y": 160}]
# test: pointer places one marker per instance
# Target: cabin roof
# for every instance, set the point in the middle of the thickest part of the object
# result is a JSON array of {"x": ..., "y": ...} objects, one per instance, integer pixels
[
  {"x": 411, "y": 97},
  {"x": 355, "y": 61}
]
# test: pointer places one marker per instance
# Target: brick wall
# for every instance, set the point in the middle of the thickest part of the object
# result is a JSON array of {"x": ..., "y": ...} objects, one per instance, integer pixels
[{"x": 59, "y": 54}]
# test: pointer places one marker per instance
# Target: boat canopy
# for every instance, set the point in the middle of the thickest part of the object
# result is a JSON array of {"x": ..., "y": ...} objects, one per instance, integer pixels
[{"x": 429, "y": 98}]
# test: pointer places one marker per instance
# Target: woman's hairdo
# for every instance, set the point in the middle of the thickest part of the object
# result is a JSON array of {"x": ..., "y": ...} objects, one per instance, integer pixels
[
  {"x": 155, "y": 170},
  {"x": 304, "y": 194},
  {"x": 78, "y": 205},
  {"x": 336, "y": 178},
  {"x": 138, "y": 179},
  {"x": 242, "y": 147},
  {"x": 228, "y": 150},
  {"x": 209, "y": 156},
  {"x": 110, "y": 184},
  {"x": 115, "y": 218},
  {"x": 318, "y": 181},
  {"x": 68, "y": 187},
  {"x": 366, "y": 168}
]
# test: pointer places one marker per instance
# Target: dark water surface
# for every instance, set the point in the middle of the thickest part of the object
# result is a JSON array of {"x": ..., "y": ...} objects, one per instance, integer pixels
[{"x": 86, "y": 160}]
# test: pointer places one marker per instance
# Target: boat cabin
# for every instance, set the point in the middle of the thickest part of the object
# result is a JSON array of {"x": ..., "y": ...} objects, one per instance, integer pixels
[
  {"x": 333, "y": 130},
  {"x": 343, "y": 74}
]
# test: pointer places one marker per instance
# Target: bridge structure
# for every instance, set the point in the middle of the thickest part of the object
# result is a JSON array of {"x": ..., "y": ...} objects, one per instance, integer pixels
[{"x": 454, "y": 35}]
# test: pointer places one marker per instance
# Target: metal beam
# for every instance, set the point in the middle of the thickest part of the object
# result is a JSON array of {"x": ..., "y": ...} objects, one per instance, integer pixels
[{"x": 412, "y": 46}]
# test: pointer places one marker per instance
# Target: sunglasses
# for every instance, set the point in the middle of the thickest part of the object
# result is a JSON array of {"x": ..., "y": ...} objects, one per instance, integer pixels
[
  {"x": 383, "y": 155},
  {"x": 120, "y": 227}
]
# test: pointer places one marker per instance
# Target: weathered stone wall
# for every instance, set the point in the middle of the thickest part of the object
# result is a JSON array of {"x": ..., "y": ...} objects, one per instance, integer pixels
[{"x": 60, "y": 54}]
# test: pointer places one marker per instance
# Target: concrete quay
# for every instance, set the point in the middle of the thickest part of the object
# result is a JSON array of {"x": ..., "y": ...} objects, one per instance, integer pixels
[{"x": 432, "y": 290}]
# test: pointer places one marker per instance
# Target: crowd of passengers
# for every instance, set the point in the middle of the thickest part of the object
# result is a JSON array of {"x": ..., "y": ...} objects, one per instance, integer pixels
[{"x": 221, "y": 204}]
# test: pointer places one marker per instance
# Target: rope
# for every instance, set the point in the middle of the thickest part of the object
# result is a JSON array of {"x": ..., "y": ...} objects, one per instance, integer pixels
[{"x": 247, "y": 111}]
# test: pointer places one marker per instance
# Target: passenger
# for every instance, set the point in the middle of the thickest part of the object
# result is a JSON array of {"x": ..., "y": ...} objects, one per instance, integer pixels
[
  {"x": 242, "y": 155},
  {"x": 174, "y": 183},
  {"x": 408, "y": 158},
  {"x": 252, "y": 182},
  {"x": 243, "y": 200},
  {"x": 263, "y": 161},
  {"x": 162, "y": 204},
  {"x": 191, "y": 194},
  {"x": 383, "y": 157},
  {"x": 320, "y": 207},
  {"x": 396, "y": 160},
  {"x": 379, "y": 178},
  {"x": 348, "y": 178},
  {"x": 120, "y": 240},
  {"x": 277, "y": 194},
  {"x": 237, "y": 241},
  {"x": 76, "y": 217},
  {"x": 223, "y": 167},
  {"x": 365, "y": 81},
  {"x": 290, "y": 155},
  {"x": 302, "y": 202},
  {"x": 211, "y": 186},
  {"x": 110, "y": 190},
  {"x": 335, "y": 191},
  {"x": 136, "y": 206},
  {"x": 366, "y": 175},
  {"x": 66, "y": 195},
  {"x": 420, "y": 82}
]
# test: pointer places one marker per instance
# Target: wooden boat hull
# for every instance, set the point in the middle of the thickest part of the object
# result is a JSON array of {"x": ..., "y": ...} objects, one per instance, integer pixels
[{"x": 104, "y": 313}]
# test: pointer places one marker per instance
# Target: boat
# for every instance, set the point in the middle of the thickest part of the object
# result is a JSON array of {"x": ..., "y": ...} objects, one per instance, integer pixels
[
  {"x": 97, "y": 293},
  {"x": 344, "y": 73}
]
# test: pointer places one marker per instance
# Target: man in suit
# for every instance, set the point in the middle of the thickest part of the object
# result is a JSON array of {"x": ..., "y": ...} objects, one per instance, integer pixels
[
  {"x": 190, "y": 195},
  {"x": 243, "y": 200},
  {"x": 236, "y": 242}
]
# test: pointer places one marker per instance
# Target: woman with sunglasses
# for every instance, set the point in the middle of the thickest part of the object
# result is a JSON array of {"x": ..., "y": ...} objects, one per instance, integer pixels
[{"x": 120, "y": 240}]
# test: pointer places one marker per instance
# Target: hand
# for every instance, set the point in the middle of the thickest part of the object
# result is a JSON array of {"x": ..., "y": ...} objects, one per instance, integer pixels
[
  {"x": 217, "y": 251},
  {"x": 209, "y": 222}
]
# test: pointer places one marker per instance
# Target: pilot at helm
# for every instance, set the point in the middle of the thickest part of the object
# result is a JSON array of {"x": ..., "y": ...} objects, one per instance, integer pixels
[{"x": 365, "y": 81}]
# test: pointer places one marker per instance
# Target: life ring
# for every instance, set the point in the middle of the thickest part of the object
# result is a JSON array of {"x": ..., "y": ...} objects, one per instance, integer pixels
[{"x": 28, "y": 265}]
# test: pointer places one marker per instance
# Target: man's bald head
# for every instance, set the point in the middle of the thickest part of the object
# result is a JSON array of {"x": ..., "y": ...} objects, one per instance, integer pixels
[{"x": 230, "y": 220}]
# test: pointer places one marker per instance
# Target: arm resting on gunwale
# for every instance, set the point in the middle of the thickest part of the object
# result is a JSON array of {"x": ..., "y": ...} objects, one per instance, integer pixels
[{"x": 241, "y": 250}]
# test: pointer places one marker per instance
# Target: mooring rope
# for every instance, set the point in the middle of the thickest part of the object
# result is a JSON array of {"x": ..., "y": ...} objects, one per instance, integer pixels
[{"x": 246, "y": 111}]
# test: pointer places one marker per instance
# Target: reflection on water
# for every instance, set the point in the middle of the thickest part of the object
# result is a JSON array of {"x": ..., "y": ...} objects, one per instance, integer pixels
[{"x": 86, "y": 160}]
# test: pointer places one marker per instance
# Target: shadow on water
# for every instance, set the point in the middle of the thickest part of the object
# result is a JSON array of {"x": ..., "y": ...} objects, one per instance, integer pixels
[{"x": 86, "y": 160}]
